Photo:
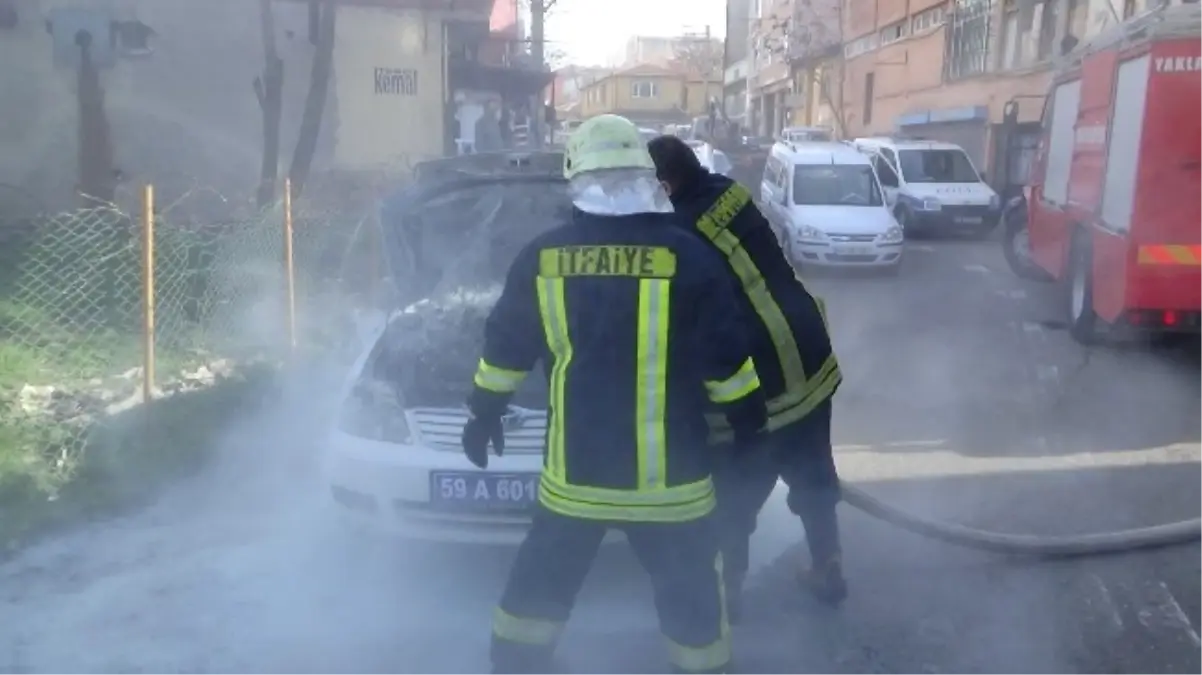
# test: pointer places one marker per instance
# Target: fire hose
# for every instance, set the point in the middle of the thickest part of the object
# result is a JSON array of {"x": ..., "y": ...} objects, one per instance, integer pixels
[
  {"x": 1101, "y": 543},
  {"x": 1095, "y": 544}
]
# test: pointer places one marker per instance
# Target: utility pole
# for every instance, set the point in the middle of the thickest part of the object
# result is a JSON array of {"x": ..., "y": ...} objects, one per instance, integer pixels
[
  {"x": 753, "y": 57},
  {"x": 538, "y": 49},
  {"x": 707, "y": 65}
]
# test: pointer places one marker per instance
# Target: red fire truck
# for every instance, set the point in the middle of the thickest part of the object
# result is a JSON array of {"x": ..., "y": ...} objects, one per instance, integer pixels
[{"x": 1112, "y": 211}]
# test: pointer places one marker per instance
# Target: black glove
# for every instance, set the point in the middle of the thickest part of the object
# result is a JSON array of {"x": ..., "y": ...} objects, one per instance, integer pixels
[
  {"x": 748, "y": 444},
  {"x": 476, "y": 435}
]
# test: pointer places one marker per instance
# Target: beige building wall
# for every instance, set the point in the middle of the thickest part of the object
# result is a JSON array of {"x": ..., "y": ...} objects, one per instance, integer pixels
[{"x": 390, "y": 81}]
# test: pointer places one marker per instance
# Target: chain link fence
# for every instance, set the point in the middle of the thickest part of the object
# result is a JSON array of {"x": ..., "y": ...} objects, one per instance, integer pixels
[{"x": 74, "y": 300}]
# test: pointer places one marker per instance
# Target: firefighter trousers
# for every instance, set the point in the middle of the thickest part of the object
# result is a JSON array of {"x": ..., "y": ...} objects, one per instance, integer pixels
[
  {"x": 682, "y": 560},
  {"x": 799, "y": 454}
]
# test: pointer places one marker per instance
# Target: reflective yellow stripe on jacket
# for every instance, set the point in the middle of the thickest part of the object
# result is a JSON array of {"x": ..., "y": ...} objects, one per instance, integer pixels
[
  {"x": 800, "y": 395},
  {"x": 650, "y": 500},
  {"x": 743, "y": 382},
  {"x": 498, "y": 380}
]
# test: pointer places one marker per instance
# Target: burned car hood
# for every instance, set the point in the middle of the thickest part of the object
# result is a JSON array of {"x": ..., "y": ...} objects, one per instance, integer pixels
[{"x": 450, "y": 242}]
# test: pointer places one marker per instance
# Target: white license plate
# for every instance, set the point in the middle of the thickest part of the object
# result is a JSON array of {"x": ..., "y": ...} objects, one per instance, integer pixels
[
  {"x": 483, "y": 491},
  {"x": 969, "y": 220},
  {"x": 853, "y": 250}
]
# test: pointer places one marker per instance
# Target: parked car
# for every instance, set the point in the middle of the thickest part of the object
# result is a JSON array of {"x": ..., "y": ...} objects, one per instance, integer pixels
[
  {"x": 394, "y": 459},
  {"x": 827, "y": 208}
]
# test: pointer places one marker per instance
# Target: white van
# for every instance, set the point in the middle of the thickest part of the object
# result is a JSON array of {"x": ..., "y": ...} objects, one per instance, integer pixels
[
  {"x": 932, "y": 186},
  {"x": 827, "y": 207}
]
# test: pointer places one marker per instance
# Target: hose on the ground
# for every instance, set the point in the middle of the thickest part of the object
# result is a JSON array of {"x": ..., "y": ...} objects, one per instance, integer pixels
[{"x": 1102, "y": 543}]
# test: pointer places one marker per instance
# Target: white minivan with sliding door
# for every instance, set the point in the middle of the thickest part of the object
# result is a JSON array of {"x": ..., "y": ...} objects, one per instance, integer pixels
[
  {"x": 933, "y": 186},
  {"x": 828, "y": 209}
]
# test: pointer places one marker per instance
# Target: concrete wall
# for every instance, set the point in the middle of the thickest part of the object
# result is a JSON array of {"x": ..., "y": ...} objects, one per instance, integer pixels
[{"x": 185, "y": 115}]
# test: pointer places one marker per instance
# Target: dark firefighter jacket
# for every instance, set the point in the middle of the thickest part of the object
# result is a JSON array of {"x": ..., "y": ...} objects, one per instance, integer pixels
[
  {"x": 790, "y": 342},
  {"x": 638, "y": 328}
]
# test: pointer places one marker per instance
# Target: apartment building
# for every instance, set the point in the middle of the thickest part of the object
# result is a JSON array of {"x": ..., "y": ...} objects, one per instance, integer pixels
[
  {"x": 947, "y": 69},
  {"x": 737, "y": 60},
  {"x": 647, "y": 94},
  {"x": 773, "y": 33}
]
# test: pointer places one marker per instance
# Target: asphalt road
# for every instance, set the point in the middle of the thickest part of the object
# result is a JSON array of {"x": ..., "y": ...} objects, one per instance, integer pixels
[{"x": 963, "y": 401}]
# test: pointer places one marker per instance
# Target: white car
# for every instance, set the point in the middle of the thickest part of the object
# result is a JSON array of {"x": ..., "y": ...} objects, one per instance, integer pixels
[
  {"x": 933, "y": 186},
  {"x": 826, "y": 205},
  {"x": 711, "y": 158},
  {"x": 394, "y": 461}
]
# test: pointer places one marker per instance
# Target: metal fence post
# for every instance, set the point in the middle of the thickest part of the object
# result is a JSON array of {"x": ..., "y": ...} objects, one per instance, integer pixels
[
  {"x": 289, "y": 268},
  {"x": 148, "y": 295}
]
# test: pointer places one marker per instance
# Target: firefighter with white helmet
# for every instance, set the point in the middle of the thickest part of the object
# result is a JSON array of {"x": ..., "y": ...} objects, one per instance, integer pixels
[{"x": 639, "y": 332}]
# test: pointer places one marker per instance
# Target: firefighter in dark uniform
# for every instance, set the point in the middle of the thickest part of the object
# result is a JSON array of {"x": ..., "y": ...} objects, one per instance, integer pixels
[
  {"x": 639, "y": 331},
  {"x": 798, "y": 369}
]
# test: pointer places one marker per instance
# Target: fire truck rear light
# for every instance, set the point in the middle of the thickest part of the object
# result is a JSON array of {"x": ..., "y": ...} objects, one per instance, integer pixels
[{"x": 1169, "y": 318}]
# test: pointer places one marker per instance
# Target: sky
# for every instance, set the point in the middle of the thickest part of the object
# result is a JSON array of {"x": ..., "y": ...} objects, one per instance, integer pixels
[{"x": 592, "y": 32}]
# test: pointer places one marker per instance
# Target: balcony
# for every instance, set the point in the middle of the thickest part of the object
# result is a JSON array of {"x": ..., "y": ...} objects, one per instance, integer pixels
[{"x": 481, "y": 60}]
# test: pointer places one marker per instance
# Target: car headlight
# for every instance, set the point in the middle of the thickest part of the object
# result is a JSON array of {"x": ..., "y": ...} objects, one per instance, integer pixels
[
  {"x": 994, "y": 201},
  {"x": 931, "y": 204},
  {"x": 807, "y": 233},
  {"x": 373, "y": 413},
  {"x": 892, "y": 235}
]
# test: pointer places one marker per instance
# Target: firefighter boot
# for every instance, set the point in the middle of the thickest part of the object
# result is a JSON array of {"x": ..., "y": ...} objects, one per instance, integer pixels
[{"x": 824, "y": 579}]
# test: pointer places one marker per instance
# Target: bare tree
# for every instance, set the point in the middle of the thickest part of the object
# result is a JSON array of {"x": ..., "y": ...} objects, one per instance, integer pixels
[
  {"x": 269, "y": 89},
  {"x": 315, "y": 101},
  {"x": 814, "y": 37},
  {"x": 699, "y": 55}
]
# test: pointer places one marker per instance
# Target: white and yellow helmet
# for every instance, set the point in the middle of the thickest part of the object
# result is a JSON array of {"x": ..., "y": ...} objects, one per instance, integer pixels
[{"x": 605, "y": 142}]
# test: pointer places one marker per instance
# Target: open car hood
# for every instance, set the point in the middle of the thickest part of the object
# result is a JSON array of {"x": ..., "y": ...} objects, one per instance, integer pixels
[{"x": 450, "y": 240}]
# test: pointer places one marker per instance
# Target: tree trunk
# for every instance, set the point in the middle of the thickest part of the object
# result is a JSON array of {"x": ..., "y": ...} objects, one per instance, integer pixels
[
  {"x": 538, "y": 49},
  {"x": 96, "y": 172},
  {"x": 315, "y": 102},
  {"x": 269, "y": 88}
]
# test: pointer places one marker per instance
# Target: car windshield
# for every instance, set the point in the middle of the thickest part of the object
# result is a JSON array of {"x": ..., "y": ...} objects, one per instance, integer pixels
[
  {"x": 835, "y": 184},
  {"x": 648, "y": 135},
  {"x": 937, "y": 166}
]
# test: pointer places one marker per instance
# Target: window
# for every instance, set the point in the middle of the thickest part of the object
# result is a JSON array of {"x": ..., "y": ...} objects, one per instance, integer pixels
[
  {"x": 967, "y": 47},
  {"x": 884, "y": 171},
  {"x": 1028, "y": 29},
  {"x": 937, "y": 166},
  {"x": 831, "y": 184},
  {"x": 869, "y": 84},
  {"x": 861, "y": 45},
  {"x": 644, "y": 89},
  {"x": 1043, "y": 28},
  {"x": 772, "y": 169},
  {"x": 927, "y": 18},
  {"x": 893, "y": 32}
]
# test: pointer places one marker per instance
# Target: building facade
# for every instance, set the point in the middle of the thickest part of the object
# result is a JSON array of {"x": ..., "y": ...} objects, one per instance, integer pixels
[
  {"x": 737, "y": 63},
  {"x": 649, "y": 95},
  {"x": 773, "y": 32},
  {"x": 565, "y": 91},
  {"x": 940, "y": 69}
]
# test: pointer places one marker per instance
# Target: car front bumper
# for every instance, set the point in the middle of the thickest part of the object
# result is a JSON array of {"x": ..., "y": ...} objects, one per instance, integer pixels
[
  {"x": 386, "y": 488},
  {"x": 848, "y": 255},
  {"x": 957, "y": 218}
]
